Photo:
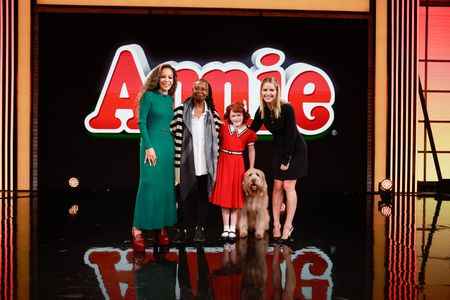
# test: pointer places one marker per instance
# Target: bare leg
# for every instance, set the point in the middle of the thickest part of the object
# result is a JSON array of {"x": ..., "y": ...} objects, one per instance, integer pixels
[
  {"x": 233, "y": 216},
  {"x": 277, "y": 198},
  {"x": 226, "y": 223},
  {"x": 233, "y": 220},
  {"x": 226, "y": 216},
  {"x": 291, "y": 205}
]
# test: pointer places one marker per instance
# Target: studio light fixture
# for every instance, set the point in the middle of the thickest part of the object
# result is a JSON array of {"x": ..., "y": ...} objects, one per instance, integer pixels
[
  {"x": 385, "y": 187},
  {"x": 73, "y": 182}
]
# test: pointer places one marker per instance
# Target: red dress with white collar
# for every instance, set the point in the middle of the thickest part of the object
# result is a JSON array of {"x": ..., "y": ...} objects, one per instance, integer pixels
[{"x": 227, "y": 191}]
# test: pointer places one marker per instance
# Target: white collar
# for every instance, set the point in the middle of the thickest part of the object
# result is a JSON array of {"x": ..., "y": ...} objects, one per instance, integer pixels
[{"x": 239, "y": 130}]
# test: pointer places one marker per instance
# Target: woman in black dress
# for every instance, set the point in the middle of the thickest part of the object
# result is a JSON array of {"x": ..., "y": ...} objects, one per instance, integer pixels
[{"x": 289, "y": 160}]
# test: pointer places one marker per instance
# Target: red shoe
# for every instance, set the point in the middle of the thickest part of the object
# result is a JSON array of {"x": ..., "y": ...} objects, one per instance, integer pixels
[
  {"x": 163, "y": 238},
  {"x": 138, "y": 242}
]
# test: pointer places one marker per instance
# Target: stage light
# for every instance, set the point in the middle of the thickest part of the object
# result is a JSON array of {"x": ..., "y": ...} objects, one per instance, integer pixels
[
  {"x": 73, "y": 182},
  {"x": 73, "y": 210},
  {"x": 385, "y": 185}
]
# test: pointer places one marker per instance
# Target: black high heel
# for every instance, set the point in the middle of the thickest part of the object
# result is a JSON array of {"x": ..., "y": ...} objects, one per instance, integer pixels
[
  {"x": 276, "y": 239},
  {"x": 286, "y": 240}
]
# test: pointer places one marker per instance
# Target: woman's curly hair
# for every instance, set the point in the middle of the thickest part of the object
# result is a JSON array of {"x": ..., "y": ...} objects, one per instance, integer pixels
[{"x": 152, "y": 82}]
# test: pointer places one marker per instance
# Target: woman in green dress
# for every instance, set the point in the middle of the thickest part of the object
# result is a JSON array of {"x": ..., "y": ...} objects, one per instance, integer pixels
[{"x": 155, "y": 202}]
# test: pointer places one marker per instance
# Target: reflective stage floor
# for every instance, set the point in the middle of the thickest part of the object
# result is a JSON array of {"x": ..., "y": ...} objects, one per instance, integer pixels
[{"x": 342, "y": 247}]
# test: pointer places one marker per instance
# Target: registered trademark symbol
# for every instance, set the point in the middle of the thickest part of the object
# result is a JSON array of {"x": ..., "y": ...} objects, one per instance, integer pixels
[{"x": 334, "y": 132}]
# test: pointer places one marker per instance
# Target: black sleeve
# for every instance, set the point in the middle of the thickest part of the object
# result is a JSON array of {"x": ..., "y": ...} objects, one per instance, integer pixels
[
  {"x": 257, "y": 122},
  {"x": 288, "y": 117}
]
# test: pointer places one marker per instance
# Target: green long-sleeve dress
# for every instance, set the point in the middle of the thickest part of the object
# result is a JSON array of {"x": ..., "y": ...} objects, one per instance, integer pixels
[{"x": 155, "y": 201}]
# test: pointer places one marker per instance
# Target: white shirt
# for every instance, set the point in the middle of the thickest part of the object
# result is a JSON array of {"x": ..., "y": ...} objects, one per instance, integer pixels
[{"x": 198, "y": 138}]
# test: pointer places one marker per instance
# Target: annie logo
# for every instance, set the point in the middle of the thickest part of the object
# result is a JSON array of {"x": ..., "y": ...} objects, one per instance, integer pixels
[{"x": 307, "y": 88}]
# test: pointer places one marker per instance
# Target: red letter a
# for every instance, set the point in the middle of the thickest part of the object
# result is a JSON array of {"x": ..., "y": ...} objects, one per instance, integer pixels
[{"x": 115, "y": 109}]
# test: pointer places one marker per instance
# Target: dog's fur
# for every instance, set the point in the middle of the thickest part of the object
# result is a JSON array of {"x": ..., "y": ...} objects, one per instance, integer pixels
[{"x": 254, "y": 216}]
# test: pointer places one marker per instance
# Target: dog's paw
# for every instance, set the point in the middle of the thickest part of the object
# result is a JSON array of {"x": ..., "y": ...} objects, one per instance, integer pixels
[
  {"x": 243, "y": 234},
  {"x": 259, "y": 235}
]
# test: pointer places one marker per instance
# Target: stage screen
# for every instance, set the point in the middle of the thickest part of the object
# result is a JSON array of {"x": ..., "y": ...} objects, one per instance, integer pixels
[{"x": 89, "y": 67}]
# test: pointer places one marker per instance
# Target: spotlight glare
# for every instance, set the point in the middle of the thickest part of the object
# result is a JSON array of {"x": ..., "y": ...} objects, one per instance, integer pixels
[
  {"x": 386, "y": 185},
  {"x": 74, "y": 182}
]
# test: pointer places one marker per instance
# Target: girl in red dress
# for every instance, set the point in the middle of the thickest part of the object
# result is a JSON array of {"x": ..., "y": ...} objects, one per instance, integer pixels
[{"x": 234, "y": 137}]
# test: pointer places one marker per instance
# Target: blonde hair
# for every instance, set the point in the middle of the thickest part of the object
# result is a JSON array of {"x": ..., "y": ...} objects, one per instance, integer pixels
[
  {"x": 152, "y": 82},
  {"x": 276, "y": 103}
]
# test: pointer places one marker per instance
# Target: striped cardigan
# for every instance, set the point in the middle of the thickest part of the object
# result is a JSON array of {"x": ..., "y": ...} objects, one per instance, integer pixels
[
  {"x": 180, "y": 128},
  {"x": 177, "y": 128}
]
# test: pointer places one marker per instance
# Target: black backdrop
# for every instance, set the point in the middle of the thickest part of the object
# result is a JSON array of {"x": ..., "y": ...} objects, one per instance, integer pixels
[{"x": 76, "y": 51}]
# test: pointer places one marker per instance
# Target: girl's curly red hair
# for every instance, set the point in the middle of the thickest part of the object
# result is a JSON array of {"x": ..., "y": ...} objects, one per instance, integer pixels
[{"x": 237, "y": 107}]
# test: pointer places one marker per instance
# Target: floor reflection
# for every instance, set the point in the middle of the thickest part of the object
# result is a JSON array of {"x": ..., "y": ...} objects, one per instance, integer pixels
[
  {"x": 249, "y": 269},
  {"x": 433, "y": 247},
  {"x": 345, "y": 246},
  {"x": 401, "y": 256}
]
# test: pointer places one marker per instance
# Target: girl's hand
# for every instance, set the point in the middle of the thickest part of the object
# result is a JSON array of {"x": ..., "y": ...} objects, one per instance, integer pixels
[
  {"x": 150, "y": 157},
  {"x": 284, "y": 167}
]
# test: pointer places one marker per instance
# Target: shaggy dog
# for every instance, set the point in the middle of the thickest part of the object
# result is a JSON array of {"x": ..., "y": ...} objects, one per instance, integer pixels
[{"x": 254, "y": 216}]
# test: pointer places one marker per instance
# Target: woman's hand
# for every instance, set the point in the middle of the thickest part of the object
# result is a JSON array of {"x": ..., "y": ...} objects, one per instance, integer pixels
[
  {"x": 150, "y": 157},
  {"x": 284, "y": 167}
]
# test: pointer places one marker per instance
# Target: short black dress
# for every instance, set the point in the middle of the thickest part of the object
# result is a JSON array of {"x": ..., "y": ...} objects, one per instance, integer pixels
[{"x": 289, "y": 144}]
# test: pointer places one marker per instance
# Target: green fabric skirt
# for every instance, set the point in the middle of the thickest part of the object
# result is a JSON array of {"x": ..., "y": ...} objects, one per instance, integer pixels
[{"x": 155, "y": 202}]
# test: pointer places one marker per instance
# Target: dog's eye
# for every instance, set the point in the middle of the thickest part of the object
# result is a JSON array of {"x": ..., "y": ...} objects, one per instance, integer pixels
[{"x": 257, "y": 174}]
